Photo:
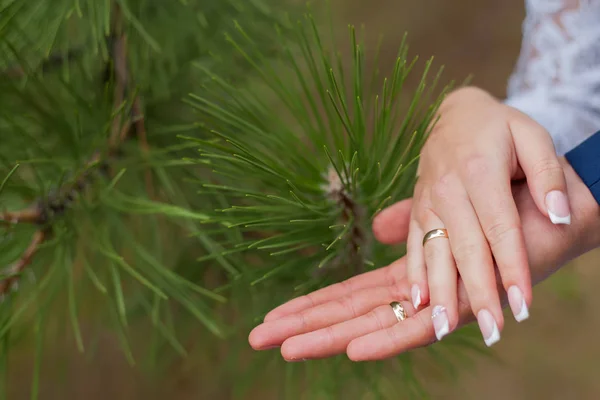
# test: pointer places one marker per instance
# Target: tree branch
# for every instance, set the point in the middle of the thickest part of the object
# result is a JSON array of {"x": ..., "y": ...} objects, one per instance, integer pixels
[
  {"x": 15, "y": 270},
  {"x": 352, "y": 213},
  {"x": 46, "y": 209}
]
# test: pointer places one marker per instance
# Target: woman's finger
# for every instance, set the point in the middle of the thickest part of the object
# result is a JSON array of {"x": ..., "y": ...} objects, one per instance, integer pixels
[
  {"x": 442, "y": 277},
  {"x": 489, "y": 189},
  {"x": 537, "y": 158},
  {"x": 472, "y": 255},
  {"x": 390, "y": 226},
  {"x": 334, "y": 339},
  {"x": 415, "y": 261},
  {"x": 386, "y": 276}
]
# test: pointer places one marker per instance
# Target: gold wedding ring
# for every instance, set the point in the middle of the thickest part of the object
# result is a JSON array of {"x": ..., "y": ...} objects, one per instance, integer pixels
[
  {"x": 398, "y": 311},
  {"x": 436, "y": 233}
]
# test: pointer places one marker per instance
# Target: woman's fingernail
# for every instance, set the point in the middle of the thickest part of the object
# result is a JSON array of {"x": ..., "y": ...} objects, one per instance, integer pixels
[
  {"x": 440, "y": 322},
  {"x": 558, "y": 207},
  {"x": 488, "y": 326},
  {"x": 517, "y": 303},
  {"x": 416, "y": 296}
]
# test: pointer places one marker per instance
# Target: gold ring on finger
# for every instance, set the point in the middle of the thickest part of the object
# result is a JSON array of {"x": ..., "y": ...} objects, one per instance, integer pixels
[
  {"x": 399, "y": 311},
  {"x": 435, "y": 233}
]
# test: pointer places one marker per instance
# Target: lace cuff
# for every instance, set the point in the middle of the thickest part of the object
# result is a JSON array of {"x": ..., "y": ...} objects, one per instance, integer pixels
[{"x": 557, "y": 77}]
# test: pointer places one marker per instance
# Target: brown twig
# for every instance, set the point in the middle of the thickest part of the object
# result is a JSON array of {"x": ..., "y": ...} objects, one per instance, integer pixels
[
  {"x": 352, "y": 213},
  {"x": 124, "y": 84},
  {"x": 30, "y": 215},
  {"x": 14, "y": 270}
]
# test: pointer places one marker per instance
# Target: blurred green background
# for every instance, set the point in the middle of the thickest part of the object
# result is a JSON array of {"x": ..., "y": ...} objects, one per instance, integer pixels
[{"x": 551, "y": 356}]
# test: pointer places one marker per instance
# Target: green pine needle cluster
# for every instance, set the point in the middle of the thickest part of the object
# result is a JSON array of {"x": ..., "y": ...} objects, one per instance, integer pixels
[
  {"x": 180, "y": 167},
  {"x": 310, "y": 153}
]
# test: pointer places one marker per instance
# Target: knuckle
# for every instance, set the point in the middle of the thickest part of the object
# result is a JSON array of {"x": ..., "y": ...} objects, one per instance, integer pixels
[
  {"x": 442, "y": 189},
  {"x": 372, "y": 315},
  {"x": 347, "y": 303},
  {"x": 475, "y": 167},
  {"x": 500, "y": 231},
  {"x": 467, "y": 251},
  {"x": 330, "y": 334},
  {"x": 303, "y": 317},
  {"x": 547, "y": 167},
  {"x": 311, "y": 299}
]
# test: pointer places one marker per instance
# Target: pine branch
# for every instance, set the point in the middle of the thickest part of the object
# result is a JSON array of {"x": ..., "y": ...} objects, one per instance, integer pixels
[
  {"x": 124, "y": 85},
  {"x": 16, "y": 269},
  {"x": 46, "y": 209},
  {"x": 352, "y": 213}
]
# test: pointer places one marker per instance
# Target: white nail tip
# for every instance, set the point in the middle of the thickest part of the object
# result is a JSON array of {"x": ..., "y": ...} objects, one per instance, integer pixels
[
  {"x": 439, "y": 315},
  {"x": 494, "y": 337},
  {"x": 443, "y": 331},
  {"x": 416, "y": 297},
  {"x": 556, "y": 220},
  {"x": 523, "y": 314}
]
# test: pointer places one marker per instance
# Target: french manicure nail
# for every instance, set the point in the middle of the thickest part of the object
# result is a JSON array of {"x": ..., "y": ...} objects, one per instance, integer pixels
[
  {"x": 440, "y": 322},
  {"x": 488, "y": 326},
  {"x": 558, "y": 208},
  {"x": 416, "y": 296},
  {"x": 517, "y": 303}
]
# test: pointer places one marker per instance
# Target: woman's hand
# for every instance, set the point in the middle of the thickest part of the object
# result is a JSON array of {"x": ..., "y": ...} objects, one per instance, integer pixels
[
  {"x": 355, "y": 317},
  {"x": 477, "y": 148}
]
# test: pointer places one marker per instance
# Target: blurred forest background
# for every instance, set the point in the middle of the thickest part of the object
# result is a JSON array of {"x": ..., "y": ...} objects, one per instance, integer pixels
[{"x": 551, "y": 356}]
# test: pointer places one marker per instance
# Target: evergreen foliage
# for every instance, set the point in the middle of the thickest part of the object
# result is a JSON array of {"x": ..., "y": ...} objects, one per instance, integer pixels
[{"x": 158, "y": 170}]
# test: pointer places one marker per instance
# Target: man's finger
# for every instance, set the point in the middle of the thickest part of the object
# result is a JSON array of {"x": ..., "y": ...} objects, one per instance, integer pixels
[
  {"x": 390, "y": 226},
  {"x": 386, "y": 276},
  {"x": 353, "y": 305},
  {"x": 334, "y": 339}
]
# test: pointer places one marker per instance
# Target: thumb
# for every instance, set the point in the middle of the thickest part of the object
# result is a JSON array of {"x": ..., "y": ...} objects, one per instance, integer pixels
[
  {"x": 390, "y": 226},
  {"x": 545, "y": 175}
]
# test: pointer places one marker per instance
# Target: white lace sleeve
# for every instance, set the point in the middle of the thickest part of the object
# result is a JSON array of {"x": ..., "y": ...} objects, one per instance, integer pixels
[{"x": 557, "y": 77}]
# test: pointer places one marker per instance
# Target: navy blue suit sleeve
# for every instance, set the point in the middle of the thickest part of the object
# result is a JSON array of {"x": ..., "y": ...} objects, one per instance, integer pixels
[{"x": 585, "y": 160}]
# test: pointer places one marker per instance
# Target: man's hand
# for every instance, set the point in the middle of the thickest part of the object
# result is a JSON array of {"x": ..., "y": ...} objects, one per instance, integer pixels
[{"x": 355, "y": 317}]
